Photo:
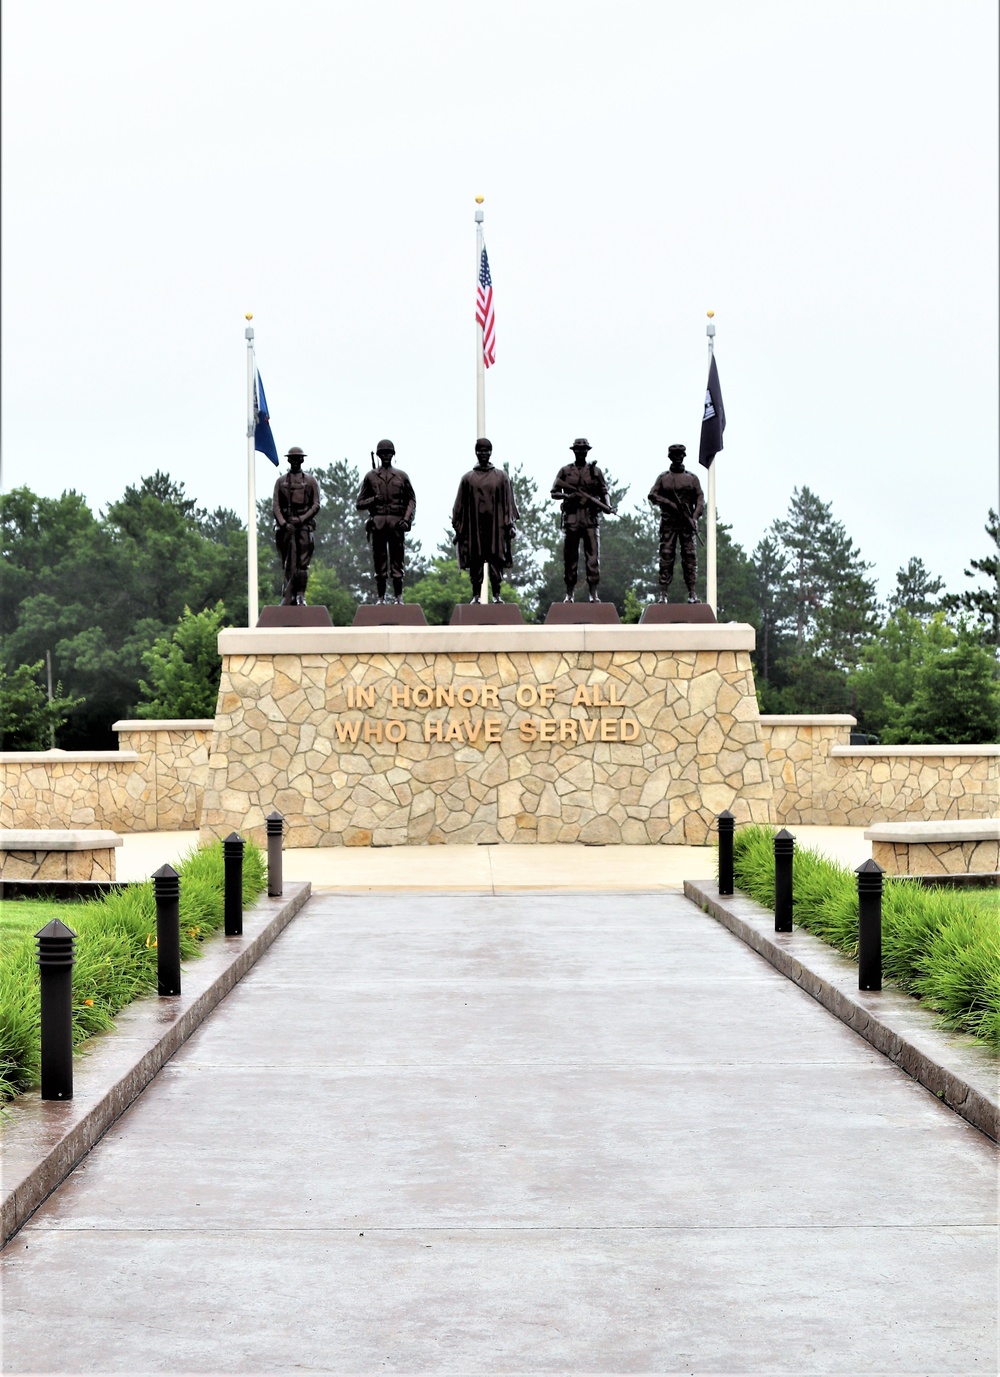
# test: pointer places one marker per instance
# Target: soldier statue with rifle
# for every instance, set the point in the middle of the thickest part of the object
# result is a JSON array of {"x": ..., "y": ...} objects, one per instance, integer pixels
[
  {"x": 678, "y": 495},
  {"x": 295, "y": 504},
  {"x": 581, "y": 489},
  {"x": 387, "y": 496}
]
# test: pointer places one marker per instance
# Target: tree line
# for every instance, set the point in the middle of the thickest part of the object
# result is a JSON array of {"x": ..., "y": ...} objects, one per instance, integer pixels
[{"x": 128, "y": 603}]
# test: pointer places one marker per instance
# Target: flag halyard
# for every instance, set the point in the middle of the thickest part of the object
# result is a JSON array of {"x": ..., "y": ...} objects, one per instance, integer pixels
[{"x": 484, "y": 310}]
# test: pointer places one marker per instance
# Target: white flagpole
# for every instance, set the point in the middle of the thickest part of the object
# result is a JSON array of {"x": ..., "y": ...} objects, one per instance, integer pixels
[
  {"x": 711, "y": 581},
  {"x": 252, "y": 610},
  {"x": 480, "y": 364}
]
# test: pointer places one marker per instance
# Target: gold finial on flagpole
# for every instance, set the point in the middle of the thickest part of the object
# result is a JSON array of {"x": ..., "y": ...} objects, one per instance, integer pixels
[
  {"x": 480, "y": 200},
  {"x": 710, "y": 314},
  {"x": 249, "y": 315}
]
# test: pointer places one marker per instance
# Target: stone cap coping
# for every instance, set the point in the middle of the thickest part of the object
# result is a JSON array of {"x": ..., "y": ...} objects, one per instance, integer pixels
[
  {"x": 914, "y": 750},
  {"x": 808, "y": 719},
  {"x": 919, "y": 833},
  {"x": 166, "y": 724},
  {"x": 351, "y": 640},
  {"x": 68, "y": 757},
  {"x": 54, "y": 839}
]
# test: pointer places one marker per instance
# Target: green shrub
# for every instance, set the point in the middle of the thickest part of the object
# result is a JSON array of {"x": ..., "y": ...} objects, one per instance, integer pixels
[
  {"x": 115, "y": 956},
  {"x": 940, "y": 945}
]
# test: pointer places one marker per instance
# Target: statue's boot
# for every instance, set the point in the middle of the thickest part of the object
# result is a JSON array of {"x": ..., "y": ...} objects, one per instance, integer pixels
[
  {"x": 663, "y": 596},
  {"x": 380, "y": 589},
  {"x": 593, "y": 592},
  {"x": 570, "y": 592},
  {"x": 300, "y": 599},
  {"x": 692, "y": 596},
  {"x": 397, "y": 589}
]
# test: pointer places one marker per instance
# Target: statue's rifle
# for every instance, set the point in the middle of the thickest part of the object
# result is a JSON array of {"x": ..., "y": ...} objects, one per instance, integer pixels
[{"x": 587, "y": 497}]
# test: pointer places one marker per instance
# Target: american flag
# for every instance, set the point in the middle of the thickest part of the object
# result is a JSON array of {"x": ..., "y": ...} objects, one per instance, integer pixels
[{"x": 484, "y": 311}]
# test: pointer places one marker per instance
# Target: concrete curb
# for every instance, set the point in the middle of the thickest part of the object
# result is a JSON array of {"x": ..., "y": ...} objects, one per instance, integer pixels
[
  {"x": 954, "y": 1068},
  {"x": 42, "y": 1141}
]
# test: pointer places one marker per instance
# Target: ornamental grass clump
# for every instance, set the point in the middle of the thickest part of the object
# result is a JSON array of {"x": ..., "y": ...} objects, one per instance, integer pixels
[
  {"x": 115, "y": 956},
  {"x": 940, "y": 945}
]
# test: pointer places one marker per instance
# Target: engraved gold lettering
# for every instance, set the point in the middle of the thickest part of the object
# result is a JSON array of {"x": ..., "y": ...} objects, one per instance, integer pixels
[
  {"x": 364, "y": 697},
  {"x": 546, "y": 693},
  {"x": 526, "y": 695},
  {"x": 588, "y": 728},
  {"x": 581, "y": 699},
  {"x": 347, "y": 731},
  {"x": 453, "y": 731},
  {"x": 395, "y": 731},
  {"x": 494, "y": 727},
  {"x": 568, "y": 727},
  {"x": 609, "y": 729},
  {"x": 528, "y": 730},
  {"x": 491, "y": 696},
  {"x": 629, "y": 729},
  {"x": 349, "y": 691},
  {"x": 373, "y": 730},
  {"x": 613, "y": 700},
  {"x": 422, "y": 696},
  {"x": 444, "y": 696},
  {"x": 548, "y": 729},
  {"x": 472, "y": 729},
  {"x": 433, "y": 731},
  {"x": 468, "y": 694},
  {"x": 400, "y": 696}
]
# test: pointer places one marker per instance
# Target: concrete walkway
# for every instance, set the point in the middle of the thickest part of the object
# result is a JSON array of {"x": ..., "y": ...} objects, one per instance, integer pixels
[
  {"x": 489, "y": 869},
  {"x": 518, "y": 1133}
]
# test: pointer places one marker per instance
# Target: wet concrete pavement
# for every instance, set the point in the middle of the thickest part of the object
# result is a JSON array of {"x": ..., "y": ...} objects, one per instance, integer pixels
[{"x": 516, "y": 1133}]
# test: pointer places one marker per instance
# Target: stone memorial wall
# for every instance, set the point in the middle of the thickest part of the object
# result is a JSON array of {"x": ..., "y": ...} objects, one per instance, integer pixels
[{"x": 595, "y": 734}]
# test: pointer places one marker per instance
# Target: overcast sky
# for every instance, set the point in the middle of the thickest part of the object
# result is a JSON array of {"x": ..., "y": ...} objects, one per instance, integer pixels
[{"x": 823, "y": 175}]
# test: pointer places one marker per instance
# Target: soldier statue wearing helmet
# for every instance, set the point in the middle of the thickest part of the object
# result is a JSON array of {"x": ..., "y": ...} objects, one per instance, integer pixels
[
  {"x": 296, "y": 502},
  {"x": 680, "y": 500},
  {"x": 387, "y": 496},
  {"x": 583, "y": 492}
]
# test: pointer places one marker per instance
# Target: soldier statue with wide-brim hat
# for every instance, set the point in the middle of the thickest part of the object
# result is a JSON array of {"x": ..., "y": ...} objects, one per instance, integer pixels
[
  {"x": 678, "y": 496},
  {"x": 296, "y": 502},
  {"x": 583, "y": 492},
  {"x": 387, "y": 496}
]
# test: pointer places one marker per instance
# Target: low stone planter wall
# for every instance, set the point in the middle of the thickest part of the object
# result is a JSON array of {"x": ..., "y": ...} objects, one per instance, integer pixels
[
  {"x": 937, "y": 848},
  {"x": 75, "y": 789},
  {"x": 36, "y": 854},
  {"x": 818, "y": 778},
  {"x": 175, "y": 756}
]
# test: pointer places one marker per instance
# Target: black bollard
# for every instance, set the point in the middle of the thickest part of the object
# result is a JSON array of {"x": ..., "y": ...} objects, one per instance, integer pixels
[
  {"x": 784, "y": 850},
  {"x": 55, "y": 968},
  {"x": 869, "y": 925},
  {"x": 275, "y": 831},
  {"x": 727, "y": 826},
  {"x": 232, "y": 853},
  {"x": 167, "y": 890}
]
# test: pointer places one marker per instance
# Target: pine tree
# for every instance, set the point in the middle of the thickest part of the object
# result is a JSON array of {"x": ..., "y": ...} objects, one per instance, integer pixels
[
  {"x": 983, "y": 603},
  {"x": 916, "y": 591}
]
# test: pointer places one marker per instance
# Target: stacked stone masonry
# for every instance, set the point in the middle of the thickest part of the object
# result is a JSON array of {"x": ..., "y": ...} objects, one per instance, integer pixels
[
  {"x": 72, "y": 789},
  {"x": 674, "y": 738},
  {"x": 818, "y": 778},
  {"x": 938, "y": 858},
  {"x": 175, "y": 756},
  {"x": 66, "y": 854}
]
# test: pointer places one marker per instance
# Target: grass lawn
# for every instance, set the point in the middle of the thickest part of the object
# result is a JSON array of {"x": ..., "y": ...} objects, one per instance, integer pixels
[{"x": 21, "y": 918}]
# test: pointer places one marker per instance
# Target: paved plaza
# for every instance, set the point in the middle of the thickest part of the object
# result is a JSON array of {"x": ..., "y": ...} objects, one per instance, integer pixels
[{"x": 508, "y": 1133}]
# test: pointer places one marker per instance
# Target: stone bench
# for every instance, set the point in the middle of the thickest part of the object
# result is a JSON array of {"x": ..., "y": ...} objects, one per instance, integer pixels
[
  {"x": 39, "y": 855},
  {"x": 963, "y": 847}
]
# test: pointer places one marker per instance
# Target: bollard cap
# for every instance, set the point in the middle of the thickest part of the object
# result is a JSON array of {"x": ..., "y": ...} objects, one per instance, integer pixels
[
  {"x": 275, "y": 824},
  {"x": 55, "y": 931},
  {"x": 870, "y": 874},
  {"x": 234, "y": 839},
  {"x": 726, "y": 818},
  {"x": 784, "y": 839},
  {"x": 166, "y": 880}
]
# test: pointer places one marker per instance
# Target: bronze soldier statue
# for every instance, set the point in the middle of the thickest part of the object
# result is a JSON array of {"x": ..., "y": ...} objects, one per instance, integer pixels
[
  {"x": 296, "y": 502},
  {"x": 581, "y": 488},
  {"x": 483, "y": 520},
  {"x": 678, "y": 495},
  {"x": 388, "y": 497}
]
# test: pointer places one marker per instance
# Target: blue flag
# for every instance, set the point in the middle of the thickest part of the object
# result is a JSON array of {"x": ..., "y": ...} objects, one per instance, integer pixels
[
  {"x": 263, "y": 440},
  {"x": 713, "y": 422}
]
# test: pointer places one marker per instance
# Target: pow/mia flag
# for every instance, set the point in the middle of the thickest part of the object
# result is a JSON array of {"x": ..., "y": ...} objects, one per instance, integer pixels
[{"x": 713, "y": 423}]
